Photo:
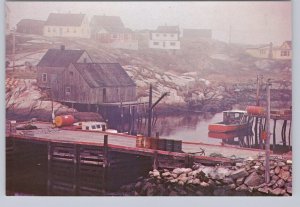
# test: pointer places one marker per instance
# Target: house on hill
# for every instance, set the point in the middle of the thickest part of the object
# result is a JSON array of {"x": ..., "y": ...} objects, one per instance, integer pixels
[
  {"x": 165, "y": 37},
  {"x": 283, "y": 52},
  {"x": 30, "y": 26},
  {"x": 74, "y": 78},
  {"x": 111, "y": 31},
  {"x": 67, "y": 25}
]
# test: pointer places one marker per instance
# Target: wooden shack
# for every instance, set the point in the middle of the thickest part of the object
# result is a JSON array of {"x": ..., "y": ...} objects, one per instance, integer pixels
[
  {"x": 72, "y": 77},
  {"x": 30, "y": 26}
]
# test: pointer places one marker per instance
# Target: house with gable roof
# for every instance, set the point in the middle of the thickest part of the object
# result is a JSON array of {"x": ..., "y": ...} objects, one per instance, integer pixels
[
  {"x": 165, "y": 37},
  {"x": 67, "y": 25}
]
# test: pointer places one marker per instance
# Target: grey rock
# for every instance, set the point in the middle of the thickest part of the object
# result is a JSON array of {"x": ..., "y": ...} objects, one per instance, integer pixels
[
  {"x": 240, "y": 181},
  {"x": 281, "y": 164},
  {"x": 228, "y": 180},
  {"x": 264, "y": 190},
  {"x": 286, "y": 167},
  {"x": 284, "y": 174},
  {"x": 280, "y": 183},
  {"x": 242, "y": 188},
  {"x": 239, "y": 164},
  {"x": 199, "y": 193},
  {"x": 276, "y": 191},
  {"x": 204, "y": 184},
  {"x": 277, "y": 170},
  {"x": 138, "y": 186},
  {"x": 239, "y": 173},
  {"x": 253, "y": 180},
  {"x": 232, "y": 186},
  {"x": 166, "y": 174},
  {"x": 196, "y": 181},
  {"x": 275, "y": 177}
]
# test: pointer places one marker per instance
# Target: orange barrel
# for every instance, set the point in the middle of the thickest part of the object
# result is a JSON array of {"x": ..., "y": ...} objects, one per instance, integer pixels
[
  {"x": 177, "y": 147},
  {"x": 169, "y": 145},
  {"x": 255, "y": 110},
  {"x": 147, "y": 142},
  {"x": 140, "y": 141},
  {"x": 161, "y": 144},
  {"x": 154, "y": 143},
  {"x": 64, "y": 120}
]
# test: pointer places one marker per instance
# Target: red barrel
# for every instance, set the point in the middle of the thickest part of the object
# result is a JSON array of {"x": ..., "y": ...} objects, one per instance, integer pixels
[
  {"x": 64, "y": 120},
  {"x": 255, "y": 110}
]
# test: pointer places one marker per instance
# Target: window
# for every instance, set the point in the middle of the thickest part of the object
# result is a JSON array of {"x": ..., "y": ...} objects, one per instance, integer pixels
[
  {"x": 44, "y": 77},
  {"x": 87, "y": 128},
  {"x": 98, "y": 126},
  {"x": 155, "y": 43},
  {"x": 165, "y": 35},
  {"x": 49, "y": 29},
  {"x": 74, "y": 31},
  {"x": 71, "y": 73},
  {"x": 172, "y": 35},
  {"x": 67, "y": 29},
  {"x": 285, "y": 53},
  {"x": 54, "y": 30},
  {"x": 173, "y": 43},
  {"x": 68, "y": 90},
  {"x": 115, "y": 36},
  {"x": 157, "y": 35},
  {"x": 93, "y": 127}
]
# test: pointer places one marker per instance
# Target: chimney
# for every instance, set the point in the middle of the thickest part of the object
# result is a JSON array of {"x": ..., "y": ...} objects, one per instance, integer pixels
[{"x": 62, "y": 47}]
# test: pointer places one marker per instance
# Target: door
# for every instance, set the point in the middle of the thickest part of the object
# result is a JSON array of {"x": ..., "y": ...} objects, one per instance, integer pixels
[{"x": 104, "y": 95}]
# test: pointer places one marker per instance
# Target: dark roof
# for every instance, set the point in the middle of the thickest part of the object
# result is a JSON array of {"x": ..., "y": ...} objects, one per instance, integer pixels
[
  {"x": 107, "y": 22},
  {"x": 30, "y": 22},
  {"x": 58, "y": 19},
  {"x": 104, "y": 74},
  {"x": 60, "y": 58},
  {"x": 168, "y": 29}
]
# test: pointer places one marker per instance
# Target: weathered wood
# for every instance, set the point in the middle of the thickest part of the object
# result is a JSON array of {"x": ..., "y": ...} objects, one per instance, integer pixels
[
  {"x": 290, "y": 134},
  {"x": 274, "y": 135},
  {"x": 155, "y": 161}
]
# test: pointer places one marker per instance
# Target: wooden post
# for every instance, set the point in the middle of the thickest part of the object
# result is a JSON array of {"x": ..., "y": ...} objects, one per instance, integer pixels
[
  {"x": 267, "y": 167},
  {"x": 150, "y": 111},
  {"x": 155, "y": 160},
  {"x": 290, "y": 134},
  {"x": 255, "y": 130},
  {"x": 274, "y": 135},
  {"x": 157, "y": 135},
  {"x": 105, "y": 160},
  {"x": 49, "y": 168}
]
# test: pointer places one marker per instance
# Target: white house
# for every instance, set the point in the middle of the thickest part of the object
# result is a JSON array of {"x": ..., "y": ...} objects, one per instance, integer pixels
[
  {"x": 165, "y": 37},
  {"x": 67, "y": 25}
]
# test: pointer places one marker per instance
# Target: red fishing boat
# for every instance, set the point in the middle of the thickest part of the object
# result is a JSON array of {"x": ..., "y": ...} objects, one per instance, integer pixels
[{"x": 232, "y": 121}]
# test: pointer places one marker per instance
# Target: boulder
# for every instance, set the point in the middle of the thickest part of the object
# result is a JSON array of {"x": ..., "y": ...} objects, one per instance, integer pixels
[
  {"x": 239, "y": 173},
  {"x": 281, "y": 164},
  {"x": 204, "y": 184},
  {"x": 280, "y": 183},
  {"x": 156, "y": 173},
  {"x": 240, "y": 181},
  {"x": 275, "y": 177},
  {"x": 253, "y": 179},
  {"x": 242, "y": 188},
  {"x": 173, "y": 193},
  {"x": 276, "y": 191},
  {"x": 277, "y": 170},
  {"x": 286, "y": 167},
  {"x": 239, "y": 164},
  {"x": 228, "y": 180},
  {"x": 196, "y": 181},
  {"x": 264, "y": 190},
  {"x": 284, "y": 174},
  {"x": 166, "y": 174}
]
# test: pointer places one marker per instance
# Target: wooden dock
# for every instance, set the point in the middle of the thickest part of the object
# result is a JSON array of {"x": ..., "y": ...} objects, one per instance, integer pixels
[{"x": 86, "y": 163}]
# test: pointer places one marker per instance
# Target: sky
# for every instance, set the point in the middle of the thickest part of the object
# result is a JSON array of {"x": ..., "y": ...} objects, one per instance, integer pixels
[{"x": 247, "y": 22}]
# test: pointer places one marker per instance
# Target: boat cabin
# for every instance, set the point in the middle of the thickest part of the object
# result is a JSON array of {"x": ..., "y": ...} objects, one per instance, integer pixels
[
  {"x": 93, "y": 126},
  {"x": 233, "y": 116}
]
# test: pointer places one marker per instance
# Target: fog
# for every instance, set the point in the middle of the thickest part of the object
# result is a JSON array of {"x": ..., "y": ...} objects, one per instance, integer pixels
[{"x": 250, "y": 22}]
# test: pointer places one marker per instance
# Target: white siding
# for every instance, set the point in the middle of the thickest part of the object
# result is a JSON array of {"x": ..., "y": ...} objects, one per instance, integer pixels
[{"x": 168, "y": 45}]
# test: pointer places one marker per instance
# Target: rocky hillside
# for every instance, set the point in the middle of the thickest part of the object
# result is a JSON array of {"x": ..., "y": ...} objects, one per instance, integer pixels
[{"x": 195, "y": 75}]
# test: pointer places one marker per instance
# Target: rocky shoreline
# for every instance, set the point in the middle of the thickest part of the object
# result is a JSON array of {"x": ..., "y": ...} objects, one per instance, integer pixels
[{"x": 245, "y": 178}]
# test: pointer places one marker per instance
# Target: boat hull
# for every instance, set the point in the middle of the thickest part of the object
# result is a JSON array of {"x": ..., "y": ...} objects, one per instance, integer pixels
[{"x": 221, "y": 127}]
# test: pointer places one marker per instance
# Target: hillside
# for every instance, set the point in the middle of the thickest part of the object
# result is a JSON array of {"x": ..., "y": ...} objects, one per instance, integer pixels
[{"x": 201, "y": 66}]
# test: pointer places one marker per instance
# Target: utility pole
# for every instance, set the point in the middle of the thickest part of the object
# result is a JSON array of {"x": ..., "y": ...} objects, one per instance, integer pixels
[
  {"x": 151, "y": 107},
  {"x": 150, "y": 111},
  {"x": 258, "y": 83},
  {"x": 267, "y": 168}
]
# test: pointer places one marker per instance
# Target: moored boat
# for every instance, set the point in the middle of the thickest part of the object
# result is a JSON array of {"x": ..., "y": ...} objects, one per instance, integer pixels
[{"x": 232, "y": 121}]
